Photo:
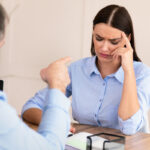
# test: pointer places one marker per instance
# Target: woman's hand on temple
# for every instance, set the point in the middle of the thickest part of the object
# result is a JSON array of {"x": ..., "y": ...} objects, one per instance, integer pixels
[{"x": 125, "y": 53}]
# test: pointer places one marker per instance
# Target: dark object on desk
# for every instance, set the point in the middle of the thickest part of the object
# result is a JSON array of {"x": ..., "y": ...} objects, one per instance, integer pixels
[
  {"x": 1, "y": 85},
  {"x": 70, "y": 135},
  {"x": 115, "y": 143}
]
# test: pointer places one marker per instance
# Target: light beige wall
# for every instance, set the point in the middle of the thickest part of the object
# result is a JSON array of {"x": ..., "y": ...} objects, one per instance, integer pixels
[{"x": 39, "y": 32}]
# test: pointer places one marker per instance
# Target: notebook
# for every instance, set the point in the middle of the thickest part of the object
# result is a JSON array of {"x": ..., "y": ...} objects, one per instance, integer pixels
[{"x": 78, "y": 142}]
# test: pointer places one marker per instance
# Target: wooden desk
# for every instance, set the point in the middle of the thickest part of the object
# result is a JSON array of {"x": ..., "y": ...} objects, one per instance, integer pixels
[{"x": 139, "y": 141}]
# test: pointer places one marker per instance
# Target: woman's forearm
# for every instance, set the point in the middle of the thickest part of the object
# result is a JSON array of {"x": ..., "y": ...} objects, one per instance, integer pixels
[
  {"x": 33, "y": 115},
  {"x": 129, "y": 103}
]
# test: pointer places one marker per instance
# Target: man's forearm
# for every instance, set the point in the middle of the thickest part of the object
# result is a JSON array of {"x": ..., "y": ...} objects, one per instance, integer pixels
[{"x": 55, "y": 123}]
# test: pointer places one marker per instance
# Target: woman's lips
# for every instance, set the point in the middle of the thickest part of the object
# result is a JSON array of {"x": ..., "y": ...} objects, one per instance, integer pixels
[{"x": 105, "y": 55}]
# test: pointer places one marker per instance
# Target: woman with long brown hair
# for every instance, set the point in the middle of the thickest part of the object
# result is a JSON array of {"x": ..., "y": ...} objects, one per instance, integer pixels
[{"x": 109, "y": 89}]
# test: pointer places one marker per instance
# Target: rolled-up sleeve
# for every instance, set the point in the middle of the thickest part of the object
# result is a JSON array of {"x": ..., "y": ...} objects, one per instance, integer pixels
[
  {"x": 139, "y": 121},
  {"x": 133, "y": 124},
  {"x": 36, "y": 102}
]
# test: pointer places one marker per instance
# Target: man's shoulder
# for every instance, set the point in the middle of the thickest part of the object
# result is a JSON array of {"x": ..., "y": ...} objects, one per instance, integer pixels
[{"x": 8, "y": 117}]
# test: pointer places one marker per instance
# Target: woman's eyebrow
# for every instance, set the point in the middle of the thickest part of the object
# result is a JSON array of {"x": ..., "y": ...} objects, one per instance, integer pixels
[
  {"x": 98, "y": 35},
  {"x": 115, "y": 39}
]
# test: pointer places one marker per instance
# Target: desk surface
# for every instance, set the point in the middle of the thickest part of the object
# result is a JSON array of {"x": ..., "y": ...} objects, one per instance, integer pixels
[{"x": 139, "y": 141}]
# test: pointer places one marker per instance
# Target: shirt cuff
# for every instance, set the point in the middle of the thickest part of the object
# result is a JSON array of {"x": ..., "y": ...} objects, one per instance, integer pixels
[
  {"x": 55, "y": 97},
  {"x": 26, "y": 107},
  {"x": 131, "y": 125}
]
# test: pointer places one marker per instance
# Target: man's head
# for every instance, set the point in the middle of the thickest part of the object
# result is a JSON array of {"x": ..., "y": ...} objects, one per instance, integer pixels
[{"x": 3, "y": 21}]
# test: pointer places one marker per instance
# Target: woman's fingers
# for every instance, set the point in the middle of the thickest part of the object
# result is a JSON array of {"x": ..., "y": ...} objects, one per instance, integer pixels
[
  {"x": 126, "y": 40},
  {"x": 72, "y": 129}
]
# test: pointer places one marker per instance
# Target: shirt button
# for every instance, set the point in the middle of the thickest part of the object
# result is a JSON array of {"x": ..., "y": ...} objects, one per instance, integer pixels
[
  {"x": 100, "y": 100},
  {"x": 95, "y": 115},
  {"x": 103, "y": 84}
]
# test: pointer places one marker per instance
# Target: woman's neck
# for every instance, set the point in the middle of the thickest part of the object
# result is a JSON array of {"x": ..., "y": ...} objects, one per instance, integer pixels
[{"x": 107, "y": 68}]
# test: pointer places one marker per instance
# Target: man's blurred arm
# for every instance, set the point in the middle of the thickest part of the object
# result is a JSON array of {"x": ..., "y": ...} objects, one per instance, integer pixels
[{"x": 55, "y": 122}]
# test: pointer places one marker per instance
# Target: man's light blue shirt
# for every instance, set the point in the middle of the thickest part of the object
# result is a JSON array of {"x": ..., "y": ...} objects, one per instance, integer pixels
[
  {"x": 95, "y": 100},
  {"x": 52, "y": 131}
]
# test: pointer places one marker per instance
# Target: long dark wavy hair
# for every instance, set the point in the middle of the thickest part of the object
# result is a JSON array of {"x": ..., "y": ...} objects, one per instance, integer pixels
[{"x": 117, "y": 17}]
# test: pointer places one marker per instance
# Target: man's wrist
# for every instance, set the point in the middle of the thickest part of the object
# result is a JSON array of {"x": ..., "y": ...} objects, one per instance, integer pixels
[{"x": 61, "y": 88}]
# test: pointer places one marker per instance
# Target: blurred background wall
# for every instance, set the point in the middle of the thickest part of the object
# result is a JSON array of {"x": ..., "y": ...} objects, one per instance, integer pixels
[{"x": 41, "y": 31}]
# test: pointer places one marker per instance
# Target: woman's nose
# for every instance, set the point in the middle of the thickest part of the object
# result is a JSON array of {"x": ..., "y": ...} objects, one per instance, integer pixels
[{"x": 105, "y": 46}]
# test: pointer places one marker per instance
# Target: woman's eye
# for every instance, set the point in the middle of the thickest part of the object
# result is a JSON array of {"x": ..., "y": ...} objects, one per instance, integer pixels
[
  {"x": 114, "y": 42},
  {"x": 99, "y": 39}
]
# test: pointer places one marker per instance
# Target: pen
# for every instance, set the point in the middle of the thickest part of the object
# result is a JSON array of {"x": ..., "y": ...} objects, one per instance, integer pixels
[{"x": 70, "y": 134}]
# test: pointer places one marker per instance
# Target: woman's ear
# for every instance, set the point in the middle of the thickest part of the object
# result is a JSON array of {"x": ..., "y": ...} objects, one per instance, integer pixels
[{"x": 129, "y": 37}]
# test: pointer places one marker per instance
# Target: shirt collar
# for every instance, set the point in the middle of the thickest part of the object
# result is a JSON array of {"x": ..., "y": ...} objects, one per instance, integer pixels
[
  {"x": 119, "y": 75},
  {"x": 92, "y": 68}
]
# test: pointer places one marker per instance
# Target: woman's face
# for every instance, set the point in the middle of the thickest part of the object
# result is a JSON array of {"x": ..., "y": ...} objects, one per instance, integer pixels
[{"x": 106, "y": 39}]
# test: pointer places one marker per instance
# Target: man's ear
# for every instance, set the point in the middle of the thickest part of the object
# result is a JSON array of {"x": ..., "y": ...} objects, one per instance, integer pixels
[{"x": 2, "y": 42}]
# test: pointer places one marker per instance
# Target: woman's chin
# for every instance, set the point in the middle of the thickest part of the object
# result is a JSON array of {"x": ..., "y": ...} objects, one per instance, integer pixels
[{"x": 105, "y": 60}]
